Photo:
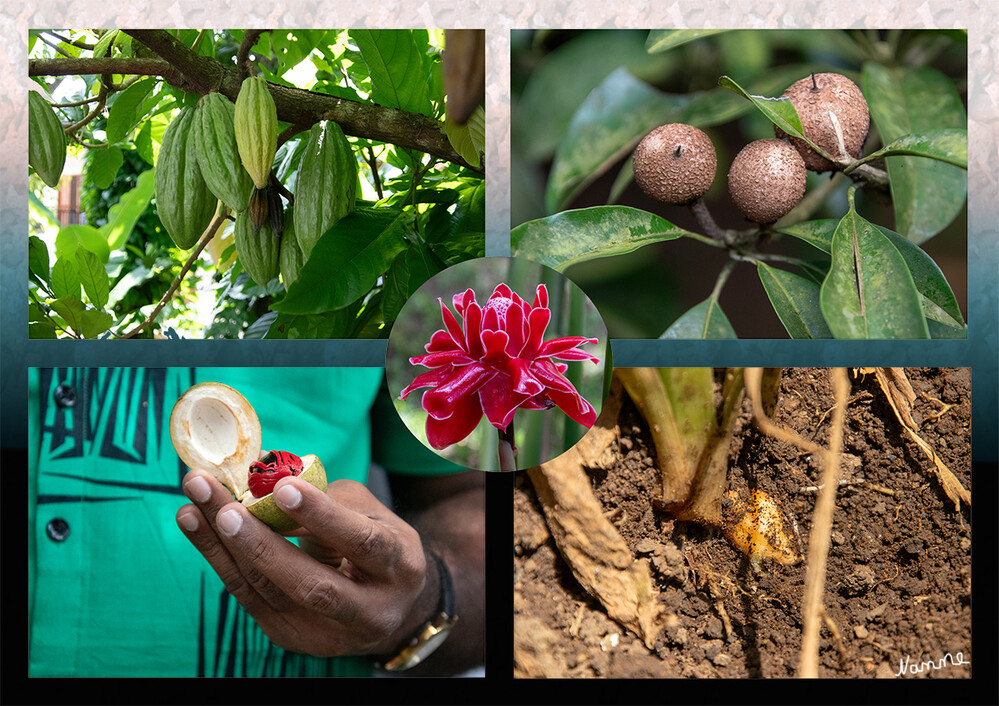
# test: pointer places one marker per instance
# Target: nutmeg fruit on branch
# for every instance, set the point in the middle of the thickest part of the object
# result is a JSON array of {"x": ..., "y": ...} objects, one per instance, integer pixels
[
  {"x": 815, "y": 97},
  {"x": 767, "y": 179},
  {"x": 214, "y": 428},
  {"x": 675, "y": 164}
]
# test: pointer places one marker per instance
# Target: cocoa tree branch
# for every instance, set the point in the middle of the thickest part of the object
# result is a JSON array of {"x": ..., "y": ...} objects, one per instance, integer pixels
[{"x": 183, "y": 69}]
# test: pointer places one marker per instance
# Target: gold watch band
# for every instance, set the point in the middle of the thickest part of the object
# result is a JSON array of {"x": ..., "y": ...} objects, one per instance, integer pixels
[{"x": 433, "y": 633}]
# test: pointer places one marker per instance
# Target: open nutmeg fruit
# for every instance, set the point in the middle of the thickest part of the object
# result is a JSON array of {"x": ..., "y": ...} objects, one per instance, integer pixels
[{"x": 214, "y": 428}]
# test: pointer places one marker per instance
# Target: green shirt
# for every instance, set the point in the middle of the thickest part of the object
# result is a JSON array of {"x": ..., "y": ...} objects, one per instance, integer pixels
[{"x": 114, "y": 586}]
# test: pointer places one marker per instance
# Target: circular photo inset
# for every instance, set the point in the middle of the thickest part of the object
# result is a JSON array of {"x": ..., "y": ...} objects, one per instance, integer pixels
[{"x": 498, "y": 364}]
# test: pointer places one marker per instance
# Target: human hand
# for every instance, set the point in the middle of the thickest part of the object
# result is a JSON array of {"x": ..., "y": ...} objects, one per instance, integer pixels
[{"x": 358, "y": 585}]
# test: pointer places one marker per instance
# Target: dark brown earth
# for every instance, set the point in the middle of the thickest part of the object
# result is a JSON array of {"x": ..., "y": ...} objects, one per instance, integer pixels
[{"x": 898, "y": 581}]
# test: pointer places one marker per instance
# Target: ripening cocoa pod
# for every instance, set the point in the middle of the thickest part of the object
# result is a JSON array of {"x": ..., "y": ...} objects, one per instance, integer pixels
[
  {"x": 255, "y": 123},
  {"x": 291, "y": 258}
]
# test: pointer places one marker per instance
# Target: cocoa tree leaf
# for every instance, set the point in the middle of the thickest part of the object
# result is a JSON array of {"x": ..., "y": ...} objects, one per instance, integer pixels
[
  {"x": 399, "y": 78},
  {"x": 575, "y": 236},
  {"x": 93, "y": 277},
  {"x": 124, "y": 111},
  {"x": 103, "y": 166},
  {"x": 869, "y": 291},
  {"x": 65, "y": 279},
  {"x": 796, "y": 302},
  {"x": 347, "y": 261}
]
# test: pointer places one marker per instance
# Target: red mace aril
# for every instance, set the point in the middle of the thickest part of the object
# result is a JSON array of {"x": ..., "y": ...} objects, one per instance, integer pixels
[{"x": 274, "y": 466}]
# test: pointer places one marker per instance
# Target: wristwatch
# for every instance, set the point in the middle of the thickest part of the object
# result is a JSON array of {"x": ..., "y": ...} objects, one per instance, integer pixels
[{"x": 433, "y": 633}]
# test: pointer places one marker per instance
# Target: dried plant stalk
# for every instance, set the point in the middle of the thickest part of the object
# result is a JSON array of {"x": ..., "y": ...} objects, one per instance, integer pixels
[
  {"x": 818, "y": 542},
  {"x": 895, "y": 384},
  {"x": 592, "y": 547}
]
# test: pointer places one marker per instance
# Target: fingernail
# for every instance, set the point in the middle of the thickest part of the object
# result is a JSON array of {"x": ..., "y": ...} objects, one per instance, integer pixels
[
  {"x": 197, "y": 489},
  {"x": 188, "y": 521},
  {"x": 229, "y": 522},
  {"x": 288, "y": 497}
]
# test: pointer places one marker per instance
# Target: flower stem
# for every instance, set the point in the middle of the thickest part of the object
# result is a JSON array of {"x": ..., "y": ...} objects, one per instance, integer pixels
[{"x": 507, "y": 449}]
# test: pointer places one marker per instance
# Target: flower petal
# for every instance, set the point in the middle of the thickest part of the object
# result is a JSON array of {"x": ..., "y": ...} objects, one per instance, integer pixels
[
  {"x": 464, "y": 381},
  {"x": 575, "y": 406},
  {"x": 499, "y": 401},
  {"x": 431, "y": 378},
  {"x": 473, "y": 329},
  {"x": 441, "y": 433},
  {"x": 565, "y": 349},
  {"x": 452, "y": 326},
  {"x": 439, "y": 358}
]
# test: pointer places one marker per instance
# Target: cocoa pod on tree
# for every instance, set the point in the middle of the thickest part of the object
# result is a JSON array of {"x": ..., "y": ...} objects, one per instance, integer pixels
[
  {"x": 326, "y": 186},
  {"x": 259, "y": 251},
  {"x": 46, "y": 140},
  {"x": 291, "y": 259},
  {"x": 184, "y": 202},
  {"x": 218, "y": 155},
  {"x": 255, "y": 123}
]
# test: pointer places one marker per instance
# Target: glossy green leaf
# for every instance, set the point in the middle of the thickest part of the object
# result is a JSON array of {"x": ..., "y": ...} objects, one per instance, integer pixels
[
  {"x": 65, "y": 280},
  {"x": 584, "y": 234},
  {"x": 666, "y": 39},
  {"x": 399, "y": 77},
  {"x": 347, "y": 261},
  {"x": 123, "y": 216},
  {"x": 89, "y": 323},
  {"x": 704, "y": 321},
  {"x": 124, "y": 112},
  {"x": 937, "y": 298},
  {"x": 927, "y": 194},
  {"x": 796, "y": 302},
  {"x": 780, "y": 111},
  {"x": 103, "y": 166},
  {"x": 38, "y": 258},
  {"x": 950, "y": 146},
  {"x": 869, "y": 291},
  {"x": 93, "y": 277},
  {"x": 71, "y": 237}
]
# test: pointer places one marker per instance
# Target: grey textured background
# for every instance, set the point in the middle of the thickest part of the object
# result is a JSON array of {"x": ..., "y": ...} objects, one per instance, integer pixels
[{"x": 498, "y": 17}]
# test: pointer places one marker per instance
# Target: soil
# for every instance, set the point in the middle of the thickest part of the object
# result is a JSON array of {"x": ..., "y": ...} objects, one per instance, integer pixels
[{"x": 898, "y": 580}]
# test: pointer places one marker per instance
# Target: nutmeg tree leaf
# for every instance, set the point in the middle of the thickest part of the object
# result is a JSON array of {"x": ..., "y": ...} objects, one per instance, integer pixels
[
  {"x": 938, "y": 300},
  {"x": 869, "y": 291},
  {"x": 584, "y": 234},
  {"x": 927, "y": 194},
  {"x": 796, "y": 302},
  {"x": 703, "y": 321}
]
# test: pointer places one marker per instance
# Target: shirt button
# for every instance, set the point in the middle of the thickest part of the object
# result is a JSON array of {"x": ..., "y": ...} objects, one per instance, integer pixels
[
  {"x": 65, "y": 396},
  {"x": 57, "y": 529}
]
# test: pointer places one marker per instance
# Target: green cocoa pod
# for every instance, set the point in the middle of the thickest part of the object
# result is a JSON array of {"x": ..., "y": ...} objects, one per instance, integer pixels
[
  {"x": 218, "y": 156},
  {"x": 259, "y": 251},
  {"x": 46, "y": 140},
  {"x": 183, "y": 200},
  {"x": 292, "y": 258},
  {"x": 326, "y": 186},
  {"x": 255, "y": 122}
]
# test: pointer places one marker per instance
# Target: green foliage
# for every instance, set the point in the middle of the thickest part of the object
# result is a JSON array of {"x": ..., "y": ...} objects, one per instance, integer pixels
[
  {"x": 846, "y": 262},
  {"x": 118, "y": 273}
]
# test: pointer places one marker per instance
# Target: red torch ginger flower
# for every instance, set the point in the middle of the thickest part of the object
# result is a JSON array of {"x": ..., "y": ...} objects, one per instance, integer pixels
[{"x": 495, "y": 363}]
